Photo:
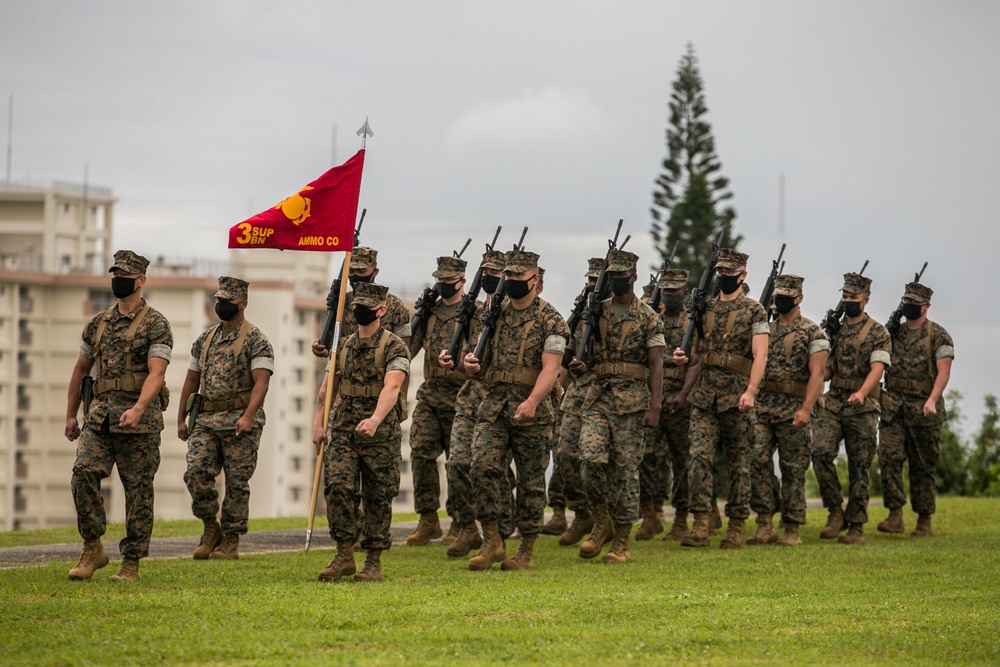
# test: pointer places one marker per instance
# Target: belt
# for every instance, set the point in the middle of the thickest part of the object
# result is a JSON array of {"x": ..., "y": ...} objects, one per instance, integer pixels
[
  {"x": 240, "y": 400},
  {"x": 788, "y": 387},
  {"x": 854, "y": 384},
  {"x": 127, "y": 382},
  {"x": 363, "y": 390},
  {"x": 621, "y": 369},
  {"x": 674, "y": 372},
  {"x": 525, "y": 376},
  {"x": 728, "y": 360},
  {"x": 446, "y": 373},
  {"x": 923, "y": 386}
]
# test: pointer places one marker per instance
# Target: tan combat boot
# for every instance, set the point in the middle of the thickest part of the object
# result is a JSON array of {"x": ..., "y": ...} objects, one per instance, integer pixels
[
  {"x": 522, "y": 559},
  {"x": 923, "y": 528},
  {"x": 765, "y": 531},
  {"x": 855, "y": 534},
  {"x": 211, "y": 538},
  {"x": 557, "y": 524},
  {"x": 651, "y": 524},
  {"x": 583, "y": 523},
  {"x": 127, "y": 571},
  {"x": 342, "y": 564},
  {"x": 893, "y": 523},
  {"x": 834, "y": 524},
  {"x": 492, "y": 550},
  {"x": 92, "y": 559},
  {"x": 698, "y": 537},
  {"x": 468, "y": 539},
  {"x": 452, "y": 536},
  {"x": 679, "y": 528},
  {"x": 428, "y": 528},
  {"x": 372, "y": 570},
  {"x": 716, "y": 521},
  {"x": 601, "y": 533},
  {"x": 660, "y": 514},
  {"x": 229, "y": 549},
  {"x": 791, "y": 536},
  {"x": 734, "y": 534},
  {"x": 619, "y": 552}
]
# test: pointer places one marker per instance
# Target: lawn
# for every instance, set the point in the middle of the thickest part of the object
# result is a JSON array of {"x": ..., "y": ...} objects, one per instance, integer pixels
[{"x": 895, "y": 600}]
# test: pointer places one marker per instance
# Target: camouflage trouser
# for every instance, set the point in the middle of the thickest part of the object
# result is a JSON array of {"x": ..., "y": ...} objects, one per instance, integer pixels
[
  {"x": 794, "y": 446},
  {"x": 567, "y": 458},
  {"x": 557, "y": 494},
  {"x": 494, "y": 445},
  {"x": 611, "y": 447},
  {"x": 377, "y": 462},
  {"x": 461, "y": 492},
  {"x": 858, "y": 434},
  {"x": 663, "y": 472},
  {"x": 137, "y": 456},
  {"x": 732, "y": 432},
  {"x": 916, "y": 439},
  {"x": 430, "y": 435},
  {"x": 209, "y": 453}
]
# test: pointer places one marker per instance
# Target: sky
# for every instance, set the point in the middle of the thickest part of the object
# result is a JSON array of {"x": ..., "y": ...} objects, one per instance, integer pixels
[{"x": 881, "y": 117}]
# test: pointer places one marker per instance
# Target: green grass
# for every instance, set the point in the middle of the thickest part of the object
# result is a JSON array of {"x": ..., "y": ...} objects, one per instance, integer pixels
[{"x": 895, "y": 600}]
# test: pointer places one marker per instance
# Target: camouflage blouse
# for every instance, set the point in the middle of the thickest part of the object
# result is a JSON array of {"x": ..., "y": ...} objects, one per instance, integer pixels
[
  {"x": 851, "y": 357},
  {"x": 915, "y": 353},
  {"x": 789, "y": 350}
]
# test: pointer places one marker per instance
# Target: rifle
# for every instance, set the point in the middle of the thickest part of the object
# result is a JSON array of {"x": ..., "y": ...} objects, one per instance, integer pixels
[
  {"x": 768, "y": 294},
  {"x": 193, "y": 410},
  {"x": 698, "y": 302},
  {"x": 831, "y": 321},
  {"x": 467, "y": 306},
  {"x": 424, "y": 305},
  {"x": 657, "y": 296},
  {"x": 894, "y": 322},
  {"x": 326, "y": 333},
  {"x": 593, "y": 313},
  {"x": 491, "y": 314},
  {"x": 87, "y": 393}
]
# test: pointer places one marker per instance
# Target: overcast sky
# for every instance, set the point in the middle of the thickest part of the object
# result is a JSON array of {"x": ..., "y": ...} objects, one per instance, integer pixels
[{"x": 882, "y": 117}]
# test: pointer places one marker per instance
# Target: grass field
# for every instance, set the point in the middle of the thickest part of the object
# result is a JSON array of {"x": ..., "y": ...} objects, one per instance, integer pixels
[{"x": 895, "y": 600}]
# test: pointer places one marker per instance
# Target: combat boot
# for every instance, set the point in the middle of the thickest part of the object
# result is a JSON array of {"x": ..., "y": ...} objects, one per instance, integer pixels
[
  {"x": 359, "y": 530},
  {"x": 92, "y": 559},
  {"x": 229, "y": 549},
  {"x": 698, "y": 537},
  {"x": 791, "y": 536},
  {"x": 679, "y": 528},
  {"x": 855, "y": 534},
  {"x": 651, "y": 524},
  {"x": 468, "y": 539},
  {"x": 492, "y": 550},
  {"x": 716, "y": 518},
  {"x": 893, "y": 523},
  {"x": 211, "y": 538},
  {"x": 453, "y": 532},
  {"x": 557, "y": 524},
  {"x": 521, "y": 559},
  {"x": 834, "y": 524},
  {"x": 660, "y": 514},
  {"x": 428, "y": 528},
  {"x": 127, "y": 571},
  {"x": 734, "y": 534},
  {"x": 583, "y": 523},
  {"x": 372, "y": 570},
  {"x": 619, "y": 552},
  {"x": 601, "y": 533},
  {"x": 765, "y": 531},
  {"x": 342, "y": 564},
  {"x": 923, "y": 528}
]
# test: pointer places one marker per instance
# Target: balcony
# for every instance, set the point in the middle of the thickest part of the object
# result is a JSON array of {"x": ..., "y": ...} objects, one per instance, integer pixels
[
  {"x": 23, "y": 369},
  {"x": 26, "y": 334}
]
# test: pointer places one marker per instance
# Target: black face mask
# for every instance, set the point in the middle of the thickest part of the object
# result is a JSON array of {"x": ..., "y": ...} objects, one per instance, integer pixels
[
  {"x": 911, "y": 311},
  {"x": 621, "y": 286},
  {"x": 226, "y": 311},
  {"x": 852, "y": 308},
  {"x": 729, "y": 284},
  {"x": 673, "y": 302},
  {"x": 364, "y": 315},
  {"x": 354, "y": 280},
  {"x": 517, "y": 289},
  {"x": 448, "y": 290},
  {"x": 490, "y": 283},
  {"x": 784, "y": 304},
  {"x": 122, "y": 287}
]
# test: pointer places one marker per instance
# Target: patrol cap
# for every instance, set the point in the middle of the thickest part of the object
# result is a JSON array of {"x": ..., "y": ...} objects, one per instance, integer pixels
[
  {"x": 788, "y": 284},
  {"x": 129, "y": 262},
  {"x": 855, "y": 283},
  {"x": 363, "y": 257},
  {"x": 674, "y": 279},
  {"x": 519, "y": 261},
  {"x": 232, "y": 288},
  {"x": 450, "y": 267},
  {"x": 730, "y": 259},
  {"x": 622, "y": 260},
  {"x": 917, "y": 293},
  {"x": 370, "y": 295},
  {"x": 494, "y": 260},
  {"x": 594, "y": 266},
  {"x": 541, "y": 272},
  {"x": 647, "y": 291}
]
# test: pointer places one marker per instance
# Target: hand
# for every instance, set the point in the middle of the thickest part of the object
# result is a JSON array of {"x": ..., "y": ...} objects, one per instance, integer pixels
[
  {"x": 680, "y": 402},
  {"x": 244, "y": 424},
  {"x": 130, "y": 418},
  {"x": 526, "y": 410},
  {"x": 746, "y": 401},
  {"x": 471, "y": 364},
  {"x": 318, "y": 439},
  {"x": 801, "y": 418},
  {"x": 930, "y": 408},
  {"x": 577, "y": 367},
  {"x": 652, "y": 417},
  {"x": 856, "y": 399},
  {"x": 368, "y": 426},
  {"x": 182, "y": 430},
  {"x": 679, "y": 358},
  {"x": 72, "y": 430},
  {"x": 445, "y": 360},
  {"x": 319, "y": 350}
]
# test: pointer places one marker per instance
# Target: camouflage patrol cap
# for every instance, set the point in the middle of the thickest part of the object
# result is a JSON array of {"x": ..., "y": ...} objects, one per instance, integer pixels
[
  {"x": 519, "y": 261},
  {"x": 129, "y": 262},
  {"x": 622, "y": 260},
  {"x": 494, "y": 260},
  {"x": 232, "y": 288},
  {"x": 647, "y": 291},
  {"x": 674, "y": 279},
  {"x": 541, "y": 272},
  {"x": 594, "y": 266},
  {"x": 730, "y": 259},
  {"x": 917, "y": 293},
  {"x": 363, "y": 257},
  {"x": 855, "y": 283},
  {"x": 788, "y": 284},
  {"x": 450, "y": 267},
  {"x": 370, "y": 295}
]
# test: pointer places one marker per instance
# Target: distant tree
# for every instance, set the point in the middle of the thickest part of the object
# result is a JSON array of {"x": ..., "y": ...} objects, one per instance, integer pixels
[
  {"x": 984, "y": 459},
  {"x": 952, "y": 472},
  {"x": 690, "y": 192}
]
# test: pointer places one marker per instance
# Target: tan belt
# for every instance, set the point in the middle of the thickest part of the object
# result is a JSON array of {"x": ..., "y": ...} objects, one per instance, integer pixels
[
  {"x": 239, "y": 401},
  {"x": 621, "y": 369},
  {"x": 728, "y": 360},
  {"x": 363, "y": 390},
  {"x": 446, "y": 373},
  {"x": 674, "y": 372},
  {"x": 127, "y": 382},
  {"x": 525, "y": 376},
  {"x": 788, "y": 387},
  {"x": 923, "y": 386},
  {"x": 854, "y": 384}
]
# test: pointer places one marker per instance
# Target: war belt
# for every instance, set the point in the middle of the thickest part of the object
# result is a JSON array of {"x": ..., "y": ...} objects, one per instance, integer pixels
[
  {"x": 237, "y": 402},
  {"x": 787, "y": 387},
  {"x": 729, "y": 361},
  {"x": 899, "y": 384},
  {"x": 621, "y": 369},
  {"x": 522, "y": 375}
]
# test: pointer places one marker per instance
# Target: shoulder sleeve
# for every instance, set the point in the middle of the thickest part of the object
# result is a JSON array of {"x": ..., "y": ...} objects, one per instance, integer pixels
[
  {"x": 398, "y": 317},
  {"x": 653, "y": 329},
  {"x": 194, "y": 363},
  {"x": 261, "y": 352},
  {"x": 818, "y": 340},
  {"x": 397, "y": 357},
  {"x": 555, "y": 329},
  {"x": 941, "y": 341},
  {"x": 89, "y": 332},
  {"x": 161, "y": 338},
  {"x": 881, "y": 345},
  {"x": 758, "y": 319}
]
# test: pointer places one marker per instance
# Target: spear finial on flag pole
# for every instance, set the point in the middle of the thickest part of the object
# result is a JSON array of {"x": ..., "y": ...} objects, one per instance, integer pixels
[{"x": 364, "y": 132}]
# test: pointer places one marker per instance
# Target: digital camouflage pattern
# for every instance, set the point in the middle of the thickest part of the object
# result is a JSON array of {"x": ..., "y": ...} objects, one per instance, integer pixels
[
  {"x": 784, "y": 364},
  {"x": 851, "y": 359},
  {"x": 129, "y": 262},
  {"x": 570, "y": 424},
  {"x": 396, "y": 318}
]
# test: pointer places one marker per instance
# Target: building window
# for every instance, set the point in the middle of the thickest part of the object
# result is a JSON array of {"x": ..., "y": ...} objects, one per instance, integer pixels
[
  {"x": 99, "y": 300},
  {"x": 23, "y": 400},
  {"x": 20, "y": 466},
  {"x": 298, "y": 405},
  {"x": 302, "y": 318},
  {"x": 301, "y": 345},
  {"x": 25, "y": 332},
  {"x": 296, "y": 463},
  {"x": 296, "y": 492},
  {"x": 65, "y": 208},
  {"x": 24, "y": 296},
  {"x": 297, "y": 433},
  {"x": 20, "y": 502},
  {"x": 300, "y": 375},
  {"x": 23, "y": 366},
  {"x": 22, "y": 432}
]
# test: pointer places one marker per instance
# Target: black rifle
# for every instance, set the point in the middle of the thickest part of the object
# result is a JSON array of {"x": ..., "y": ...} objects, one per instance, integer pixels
[
  {"x": 593, "y": 311},
  {"x": 467, "y": 307},
  {"x": 657, "y": 296},
  {"x": 193, "y": 410},
  {"x": 895, "y": 320},
  {"x": 699, "y": 300},
  {"x": 87, "y": 393},
  {"x": 831, "y": 321},
  {"x": 424, "y": 305},
  {"x": 491, "y": 314},
  {"x": 768, "y": 294},
  {"x": 333, "y": 298}
]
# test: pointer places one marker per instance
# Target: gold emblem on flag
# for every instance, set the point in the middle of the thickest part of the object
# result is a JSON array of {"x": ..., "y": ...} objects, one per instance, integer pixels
[{"x": 297, "y": 208}]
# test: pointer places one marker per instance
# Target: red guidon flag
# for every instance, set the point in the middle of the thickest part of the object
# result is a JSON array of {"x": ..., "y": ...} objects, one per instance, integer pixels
[{"x": 320, "y": 216}]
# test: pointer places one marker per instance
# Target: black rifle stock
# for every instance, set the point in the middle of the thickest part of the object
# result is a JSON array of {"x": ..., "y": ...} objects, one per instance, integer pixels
[
  {"x": 831, "y": 321},
  {"x": 193, "y": 410},
  {"x": 87, "y": 393},
  {"x": 467, "y": 307},
  {"x": 768, "y": 294},
  {"x": 491, "y": 314},
  {"x": 699, "y": 300},
  {"x": 895, "y": 320},
  {"x": 593, "y": 311},
  {"x": 333, "y": 298}
]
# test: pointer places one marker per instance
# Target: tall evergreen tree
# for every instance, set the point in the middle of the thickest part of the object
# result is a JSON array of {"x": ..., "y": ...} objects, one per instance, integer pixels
[{"x": 690, "y": 192}]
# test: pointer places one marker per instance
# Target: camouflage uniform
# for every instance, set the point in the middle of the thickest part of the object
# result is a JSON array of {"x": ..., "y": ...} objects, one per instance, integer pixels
[
  {"x": 853, "y": 350},
  {"x": 213, "y": 446},
  {"x": 104, "y": 443},
  {"x": 397, "y": 315},
  {"x": 905, "y": 434},
  {"x": 350, "y": 453},
  {"x": 781, "y": 396}
]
